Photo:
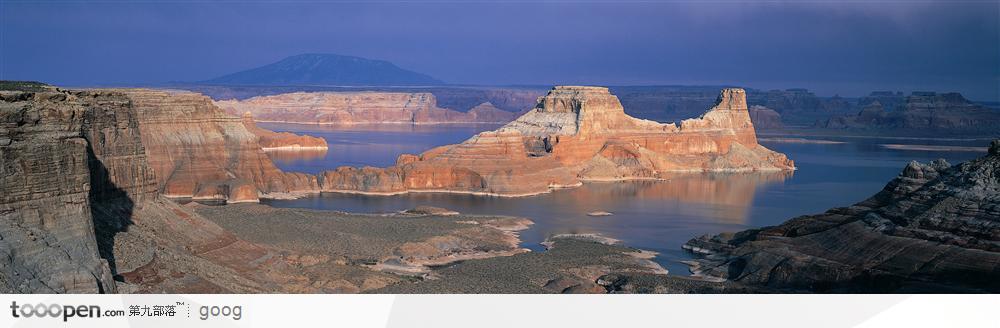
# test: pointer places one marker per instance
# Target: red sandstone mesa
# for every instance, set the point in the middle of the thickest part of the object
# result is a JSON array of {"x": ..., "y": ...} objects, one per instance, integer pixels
[
  {"x": 574, "y": 134},
  {"x": 360, "y": 108}
]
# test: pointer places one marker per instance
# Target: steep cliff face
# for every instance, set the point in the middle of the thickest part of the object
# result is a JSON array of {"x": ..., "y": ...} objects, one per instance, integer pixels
[
  {"x": 198, "y": 151},
  {"x": 935, "y": 228},
  {"x": 921, "y": 111},
  {"x": 574, "y": 134},
  {"x": 73, "y": 169},
  {"x": 360, "y": 108},
  {"x": 79, "y": 210}
]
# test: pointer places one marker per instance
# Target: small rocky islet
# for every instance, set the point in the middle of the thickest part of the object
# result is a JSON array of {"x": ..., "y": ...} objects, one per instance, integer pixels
[{"x": 119, "y": 163}]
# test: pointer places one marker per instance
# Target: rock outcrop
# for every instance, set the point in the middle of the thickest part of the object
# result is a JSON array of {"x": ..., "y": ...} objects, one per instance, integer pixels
[
  {"x": 765, "y": 118},
  {"x": 52, "y": 145},
  {"x": 921, "y": 111},
  {"x": 934, "y": 228},
  {"x": 799, "y": 106},
  {"x": 361, "y": 108},
  {"x": 197, "y": 151},
  {"x": 270, "y": 140},
  {"x": 574, "y": 134},
  {"x": 79, "y": 210}
]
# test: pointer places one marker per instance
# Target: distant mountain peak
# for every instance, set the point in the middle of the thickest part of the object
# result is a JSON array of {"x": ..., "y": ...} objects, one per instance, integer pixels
[{"x": 327, "y": 69}]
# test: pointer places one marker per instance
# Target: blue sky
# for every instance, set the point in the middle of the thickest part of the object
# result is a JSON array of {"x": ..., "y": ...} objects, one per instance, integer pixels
[{"x": 847, "y": 48}]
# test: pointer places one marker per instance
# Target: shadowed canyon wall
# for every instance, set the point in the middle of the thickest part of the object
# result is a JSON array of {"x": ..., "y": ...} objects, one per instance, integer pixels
[
  {"x": 73, "y": 171},
  {"x": 80, "y": 210},
  {"x": 925, "y": 112}
]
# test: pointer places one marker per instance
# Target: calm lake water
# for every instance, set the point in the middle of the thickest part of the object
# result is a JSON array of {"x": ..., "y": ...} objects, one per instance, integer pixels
[{"x": 658, "y": 216}]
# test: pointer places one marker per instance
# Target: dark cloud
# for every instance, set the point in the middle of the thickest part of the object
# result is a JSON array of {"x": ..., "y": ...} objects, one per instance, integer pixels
[{"x": 847, "y": 48}]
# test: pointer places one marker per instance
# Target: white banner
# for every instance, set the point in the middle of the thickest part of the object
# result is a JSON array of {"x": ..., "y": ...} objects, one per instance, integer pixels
[{"x": 814, "y": 311}]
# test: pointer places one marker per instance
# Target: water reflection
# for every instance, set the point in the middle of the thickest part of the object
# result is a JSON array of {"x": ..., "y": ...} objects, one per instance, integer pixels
[
  {"x": 725, "y": 198},
  {"x": 283, "y": 157},
  {"x": 370, "y": 145},
  {"x": 658, "y": 216},
  {"x": 654, "y": 215}
]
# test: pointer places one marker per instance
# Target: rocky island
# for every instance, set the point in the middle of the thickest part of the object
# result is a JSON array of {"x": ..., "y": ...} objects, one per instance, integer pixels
[{"x": 574, "y": 134}]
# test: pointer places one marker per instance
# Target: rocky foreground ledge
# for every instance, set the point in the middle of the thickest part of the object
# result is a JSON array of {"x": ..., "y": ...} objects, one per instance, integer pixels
[{"x": 934, "y": 228}]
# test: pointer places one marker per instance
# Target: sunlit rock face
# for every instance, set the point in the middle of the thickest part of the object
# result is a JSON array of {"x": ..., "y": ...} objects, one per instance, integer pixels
[
  {"x": 361, "y": 108},
  {"x": 270, "y": 140},
  {"x": 198, "y": 151},
  {"x": 575, "y": 134}
]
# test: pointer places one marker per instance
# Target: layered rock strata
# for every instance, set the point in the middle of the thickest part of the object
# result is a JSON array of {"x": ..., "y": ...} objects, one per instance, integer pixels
[
  {"x": 765, "y": 118},
  {"x": 197, "y": 151},
  {"x": 935, "y": 228},
  {"x": 921, "y": 111},
  {"x": 361, "y": 108},
  {"x": 270, "y": 140},
  {"x": 79, "y": 210},
  {"x": 574, "y": 134},
  {"x": 49, "y": 173}
]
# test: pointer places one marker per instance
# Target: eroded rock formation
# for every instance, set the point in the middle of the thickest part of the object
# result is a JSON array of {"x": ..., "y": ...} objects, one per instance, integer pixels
[
  {"x": 361, "y": 108},
  {"x": 80, "y": 210},
  {"x": 198, "y": 151},
  {"x": 922, "y": 112},
  {"x": 765, "y": 118},
  {"x": 49, "y": 172},
  {"x": 79, "y": 200},
  {"x": 935, "y": 228},
  {"x": 574, "y": 134},
  {"x": 270, "y": 140}
]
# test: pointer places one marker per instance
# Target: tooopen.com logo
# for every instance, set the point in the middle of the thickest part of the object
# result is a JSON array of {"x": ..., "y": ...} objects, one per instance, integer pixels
[{"x": 57, "y": 310}]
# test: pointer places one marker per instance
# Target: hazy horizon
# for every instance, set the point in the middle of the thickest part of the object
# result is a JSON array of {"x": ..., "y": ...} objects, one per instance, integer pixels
[{"x": 848, "y": 49}]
